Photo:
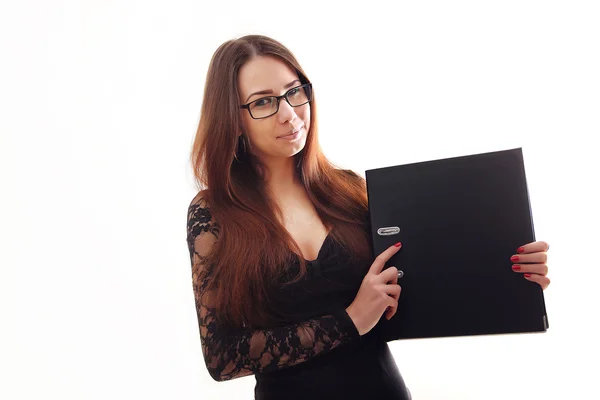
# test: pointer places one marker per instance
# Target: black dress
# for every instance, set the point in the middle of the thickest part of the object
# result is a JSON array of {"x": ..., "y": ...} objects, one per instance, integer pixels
[{"x": 317, "y": 354}]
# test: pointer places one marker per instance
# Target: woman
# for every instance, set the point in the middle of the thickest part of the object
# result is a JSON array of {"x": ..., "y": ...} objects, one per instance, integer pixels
[{"x": 305, "y": 329}]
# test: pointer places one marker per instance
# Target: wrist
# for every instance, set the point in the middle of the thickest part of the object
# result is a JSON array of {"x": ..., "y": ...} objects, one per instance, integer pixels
[{"x": 355, "y": 319}]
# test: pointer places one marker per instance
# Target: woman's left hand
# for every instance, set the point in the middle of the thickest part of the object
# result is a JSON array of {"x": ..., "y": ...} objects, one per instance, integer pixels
[{"x": 531, "y": 260}]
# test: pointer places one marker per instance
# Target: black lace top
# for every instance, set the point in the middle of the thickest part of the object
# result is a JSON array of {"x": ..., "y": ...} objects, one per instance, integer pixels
[{"x": 318, "y": 353}]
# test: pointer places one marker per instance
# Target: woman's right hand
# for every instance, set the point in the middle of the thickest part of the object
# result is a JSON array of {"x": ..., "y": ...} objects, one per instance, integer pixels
[{"x": 378, "y": 292}]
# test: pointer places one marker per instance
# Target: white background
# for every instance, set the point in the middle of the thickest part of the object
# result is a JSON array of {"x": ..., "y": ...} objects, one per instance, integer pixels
[{"x": 99, "y": 102}]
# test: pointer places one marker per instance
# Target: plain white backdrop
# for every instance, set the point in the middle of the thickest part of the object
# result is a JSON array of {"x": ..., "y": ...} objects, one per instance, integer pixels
[{"x": 99, "y": 103}]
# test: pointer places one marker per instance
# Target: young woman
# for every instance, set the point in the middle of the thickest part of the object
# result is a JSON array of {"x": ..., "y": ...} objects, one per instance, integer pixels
[{"x": 285, "y": 285}]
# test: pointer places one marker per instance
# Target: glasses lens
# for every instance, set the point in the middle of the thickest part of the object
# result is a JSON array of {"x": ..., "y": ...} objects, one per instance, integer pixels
[
  {"x": 264, "y": 107},
  {"x": 300, "y": 95},
  {"x": 267, "y": 106}
]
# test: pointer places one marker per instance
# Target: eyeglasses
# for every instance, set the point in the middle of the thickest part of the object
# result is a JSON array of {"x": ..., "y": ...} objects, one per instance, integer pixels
[{"x": 267, "y": 106}]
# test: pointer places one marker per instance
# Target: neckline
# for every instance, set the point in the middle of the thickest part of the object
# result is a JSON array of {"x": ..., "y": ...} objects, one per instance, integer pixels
[{"x": 320, "y": 248}]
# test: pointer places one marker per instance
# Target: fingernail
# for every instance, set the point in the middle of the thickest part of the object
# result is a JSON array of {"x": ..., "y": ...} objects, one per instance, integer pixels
[
  {"x": 527, "y": 275},
  {"x": 520, "y": 249},
  {"x": 514, "y": 258},
  {"x": 398, "y": 244},
  {"x": 516, "y": 267}
]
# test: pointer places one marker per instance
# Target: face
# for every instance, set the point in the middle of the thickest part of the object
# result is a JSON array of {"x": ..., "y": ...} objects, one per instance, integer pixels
[{"x": 267, "y": 136}]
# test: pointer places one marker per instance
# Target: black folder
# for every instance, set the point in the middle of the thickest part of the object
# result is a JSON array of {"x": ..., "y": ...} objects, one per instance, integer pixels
[{"x": 460, "y": 220}]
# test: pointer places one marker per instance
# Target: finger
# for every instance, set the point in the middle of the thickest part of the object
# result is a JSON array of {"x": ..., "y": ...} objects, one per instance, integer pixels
[
  {"x": 393, "y": 291},
  {"x": 540, "y": 269},
  {"x": 392, "y": 308},
  {"x": 389, "y": 275},
  {"x": 381, "y": 259},
  {"x": 534, "y": 247},
  {"x": 394, "y": 280},
  {"x": 390, "y": 312},
  {"x": 543, "y": 281},
  {"x": 533, "y": 258}
]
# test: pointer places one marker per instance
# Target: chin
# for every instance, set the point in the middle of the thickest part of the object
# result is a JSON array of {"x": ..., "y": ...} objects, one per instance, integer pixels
[{"x": 299, "y": 146}]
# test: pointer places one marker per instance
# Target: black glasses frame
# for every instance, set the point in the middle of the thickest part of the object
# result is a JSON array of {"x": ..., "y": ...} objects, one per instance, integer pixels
[{"x": 278, "y": 98}]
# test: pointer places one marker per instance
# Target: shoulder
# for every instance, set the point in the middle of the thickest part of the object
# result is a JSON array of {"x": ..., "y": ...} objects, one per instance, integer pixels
[
  {"x": 350, "y": 175},
  {"x": 200, "y": 199},
  {"x": 198, "y": 208},
  {"x": 199, "y": 217},
  {"x": 348, "y": 172}
]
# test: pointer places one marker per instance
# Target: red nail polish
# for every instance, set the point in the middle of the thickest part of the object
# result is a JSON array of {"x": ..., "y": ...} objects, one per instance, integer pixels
[
  {"x": 514, "y": 258},
  {"x": 398, "y": 244},
  {"x": 516, "y": 267},
  {"x": 528, "y": 275},
  {"x": 520, "y": 249}
]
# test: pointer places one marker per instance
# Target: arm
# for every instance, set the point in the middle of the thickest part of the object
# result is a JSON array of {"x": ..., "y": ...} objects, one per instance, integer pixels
[{"x": 233, "y": 353}]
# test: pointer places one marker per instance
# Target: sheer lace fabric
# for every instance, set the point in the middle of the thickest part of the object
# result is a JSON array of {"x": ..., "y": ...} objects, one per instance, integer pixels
[{"x": 231, "y": 353}]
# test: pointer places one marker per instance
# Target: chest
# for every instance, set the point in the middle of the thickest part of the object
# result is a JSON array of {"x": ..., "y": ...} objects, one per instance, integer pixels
[
  {"x": 331, "y": 280},
  {"x": 303, "y": 223}
]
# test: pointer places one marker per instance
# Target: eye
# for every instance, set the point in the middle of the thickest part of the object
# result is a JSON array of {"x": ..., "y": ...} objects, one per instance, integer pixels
[
  {"x": 293, "y": 92},
  {"x": 264, "y": 102}
]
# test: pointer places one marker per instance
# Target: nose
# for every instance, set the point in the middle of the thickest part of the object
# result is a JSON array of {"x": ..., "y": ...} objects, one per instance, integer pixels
[{"x": 286, "y": 112}]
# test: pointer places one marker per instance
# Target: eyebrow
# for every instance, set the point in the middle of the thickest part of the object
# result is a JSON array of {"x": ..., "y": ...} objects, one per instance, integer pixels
[{"x": 289, "y": 85}]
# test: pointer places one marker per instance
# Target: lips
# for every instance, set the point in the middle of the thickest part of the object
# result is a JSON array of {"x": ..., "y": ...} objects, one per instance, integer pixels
[{"x": 292, "y": 132}]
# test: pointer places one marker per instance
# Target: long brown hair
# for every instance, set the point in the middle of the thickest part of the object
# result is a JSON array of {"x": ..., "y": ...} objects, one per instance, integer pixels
[{"x": 242, "y": 206}]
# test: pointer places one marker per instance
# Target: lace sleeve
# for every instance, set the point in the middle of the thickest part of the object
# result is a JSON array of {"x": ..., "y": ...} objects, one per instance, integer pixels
[{"x": 233, "y": 353}]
